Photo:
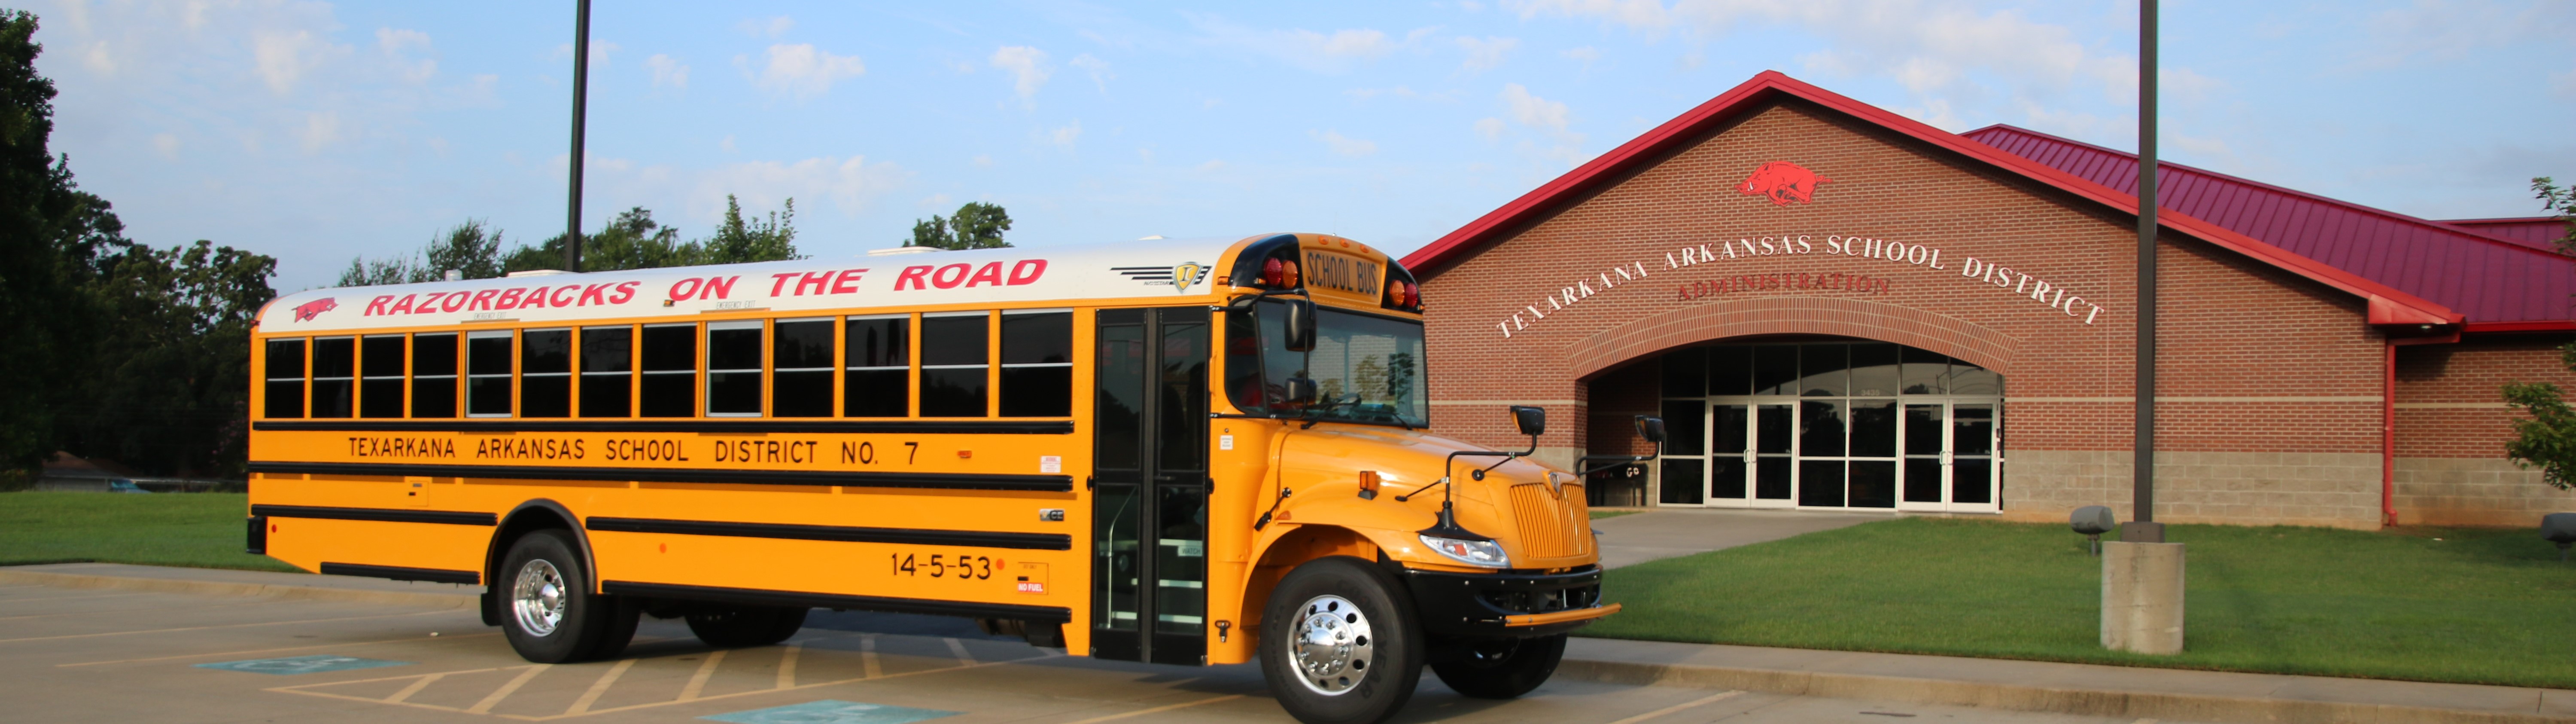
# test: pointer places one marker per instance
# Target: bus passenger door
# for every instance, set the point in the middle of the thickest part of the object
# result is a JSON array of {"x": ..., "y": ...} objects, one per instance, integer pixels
[{"x": 1150, "y": 486}]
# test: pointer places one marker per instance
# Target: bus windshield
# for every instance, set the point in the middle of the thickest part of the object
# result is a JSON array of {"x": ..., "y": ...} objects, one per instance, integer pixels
[{"x": 1366, "y": 368}]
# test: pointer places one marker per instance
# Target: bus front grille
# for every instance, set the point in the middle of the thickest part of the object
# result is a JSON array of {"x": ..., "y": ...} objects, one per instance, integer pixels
[{"x": 1550, "y": 527}]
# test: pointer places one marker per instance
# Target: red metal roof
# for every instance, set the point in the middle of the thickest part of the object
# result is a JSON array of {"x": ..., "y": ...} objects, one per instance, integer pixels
[
  {"x": 2486, "y": 277},
  {"x": 2538, "y": 232},
  {"x": 2387, "y": 304}
]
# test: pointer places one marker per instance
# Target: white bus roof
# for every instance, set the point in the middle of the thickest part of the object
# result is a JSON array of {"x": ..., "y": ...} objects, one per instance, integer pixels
[{"x": 1145, "y": 269}]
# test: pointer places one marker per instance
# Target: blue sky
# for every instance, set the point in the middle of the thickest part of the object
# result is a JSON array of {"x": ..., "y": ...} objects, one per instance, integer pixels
[{"x": 318, "y": 132}]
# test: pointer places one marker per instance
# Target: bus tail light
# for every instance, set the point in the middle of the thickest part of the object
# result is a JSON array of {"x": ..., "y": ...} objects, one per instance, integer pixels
[{"x": 1368, "y": 485}]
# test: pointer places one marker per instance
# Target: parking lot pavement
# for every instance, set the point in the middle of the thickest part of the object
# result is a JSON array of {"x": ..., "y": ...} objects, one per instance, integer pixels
[{"x": 91, "y": 655}]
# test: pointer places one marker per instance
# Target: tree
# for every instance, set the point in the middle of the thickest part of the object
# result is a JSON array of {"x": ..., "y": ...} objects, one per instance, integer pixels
[
  {"x": 737, "y": 241},
  {"x": 2547, "y": 439},
  {"x": 167, "y": 387},
  {"x": 468, "y": 248},
  {"x": 977, "y": 225},
  {"x": 50, "y": 234}
]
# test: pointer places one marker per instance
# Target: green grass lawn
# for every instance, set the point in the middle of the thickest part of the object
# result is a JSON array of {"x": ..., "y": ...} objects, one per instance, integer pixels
[
  {"x": 1600, "y": 514},
  {"x": 2457, "y": 605},
  {"x": 202, "y": 530}
]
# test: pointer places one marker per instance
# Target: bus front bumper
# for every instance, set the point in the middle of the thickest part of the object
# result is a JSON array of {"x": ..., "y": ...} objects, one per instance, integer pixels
[{"x": 1506, "y": 605}]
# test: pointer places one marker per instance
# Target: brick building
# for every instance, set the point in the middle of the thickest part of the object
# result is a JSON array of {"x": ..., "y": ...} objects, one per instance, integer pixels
[{"x": 1836, "y": 307}]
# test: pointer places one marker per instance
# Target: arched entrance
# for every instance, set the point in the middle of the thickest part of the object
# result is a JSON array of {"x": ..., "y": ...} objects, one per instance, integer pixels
[{"x": 1833, "y": 424}]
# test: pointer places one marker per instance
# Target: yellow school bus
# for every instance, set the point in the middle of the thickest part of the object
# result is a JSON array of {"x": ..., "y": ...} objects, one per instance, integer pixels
[{"x": 1170, "y": 451}]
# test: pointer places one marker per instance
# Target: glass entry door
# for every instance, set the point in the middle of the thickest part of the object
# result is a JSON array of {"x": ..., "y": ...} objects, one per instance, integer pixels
[
  {"x": 1831, "y": 425},
  {"x": 1950, "y": 462},
  {"x": 1150, "y": 487}
]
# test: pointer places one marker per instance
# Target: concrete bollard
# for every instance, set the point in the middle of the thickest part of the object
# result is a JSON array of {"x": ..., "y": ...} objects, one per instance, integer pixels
[{"x": 2142, "y": 607}]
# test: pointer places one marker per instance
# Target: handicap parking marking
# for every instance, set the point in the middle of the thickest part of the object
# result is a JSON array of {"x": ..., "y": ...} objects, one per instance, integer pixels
[
  {"x": 831, "y": 711},
  {"x": 315, "y": 664}
]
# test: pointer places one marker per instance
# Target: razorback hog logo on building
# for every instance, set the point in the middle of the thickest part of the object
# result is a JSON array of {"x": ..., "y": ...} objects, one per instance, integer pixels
[
  {"x": 308, "y": 310},
  {"x": 1783, "y": 182}
]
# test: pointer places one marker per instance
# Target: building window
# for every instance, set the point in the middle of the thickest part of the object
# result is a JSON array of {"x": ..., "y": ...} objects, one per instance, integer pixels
[
  {"x": 433, "y": 375},
  {"x": 877, "y": 378},
  {"x": 335, "y": 373},
  {"x": 285, "y": 378},
  {"x": 802, "y": 357},
  {"x": 1037, "y": 363},
  {"x": 733, "y": 368},
  {"x": 955, "y": 362},
  {"x": 487, "y": 373},
  {"x": 380, "y": 376},
  {"x": 670, "y": 374},
  {"x": 1829, "y": 425},
  {"x": 545, "y": 373},
  {"x": 607, "y": 371}
]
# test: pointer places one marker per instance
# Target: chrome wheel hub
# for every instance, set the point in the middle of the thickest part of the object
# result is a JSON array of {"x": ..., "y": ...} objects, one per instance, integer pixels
[
  {"x": 1331, "y": 645},
  {"x": 537, "y": 598}
]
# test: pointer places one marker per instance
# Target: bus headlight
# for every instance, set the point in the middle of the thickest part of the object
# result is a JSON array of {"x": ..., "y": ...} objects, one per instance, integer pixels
[{"x": 1484, "y": 553}]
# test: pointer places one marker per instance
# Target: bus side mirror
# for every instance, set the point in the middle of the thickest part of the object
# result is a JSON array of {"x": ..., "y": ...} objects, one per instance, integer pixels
[
  {"x": 1301, "y": 325},
  {"x": 1651, "y": 428},
  {"x": 1301, "y": 391},
  {"x": 1532, "y": 420}
]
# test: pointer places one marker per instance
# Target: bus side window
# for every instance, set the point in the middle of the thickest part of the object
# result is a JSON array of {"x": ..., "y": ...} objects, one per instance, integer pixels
[
  {"x": 877, "y": 376},
  {"x": 433, "y": 375},
  {"x": 733, "y": 368},
  {"x": 487, "y": 373},
  {"x": 285, "y": 375},
  {"x": 380, "y": 376},
  {"x": 335, "y": 372},
  {"x": 1243, "y": 363},
  {"x": 954, "y": 361},
  {"x": 802, "y": 358},
  {"x": 670, "y": 370},
  {"x": 1037, "y": 363},
  {"x": 545, "y": 373},
  {"x": 607, "y": 371}
]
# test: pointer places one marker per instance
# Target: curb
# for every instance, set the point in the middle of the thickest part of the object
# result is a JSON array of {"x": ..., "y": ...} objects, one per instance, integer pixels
[
  {"x": 227, "y": 588},
  {"x": 2140, "y": 704}
]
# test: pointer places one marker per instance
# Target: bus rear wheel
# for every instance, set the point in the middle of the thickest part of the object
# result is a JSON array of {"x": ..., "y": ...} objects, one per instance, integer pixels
[
  {"x": 1499, "y": 669},
  {"x": 1339, "y": 643},
  {"x": 740, "y": 626},
  {"x": 549, "y": 613}
]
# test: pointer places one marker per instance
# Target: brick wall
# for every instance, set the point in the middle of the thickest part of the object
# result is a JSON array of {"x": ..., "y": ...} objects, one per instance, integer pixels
[{"x": 2276, "y": 379}]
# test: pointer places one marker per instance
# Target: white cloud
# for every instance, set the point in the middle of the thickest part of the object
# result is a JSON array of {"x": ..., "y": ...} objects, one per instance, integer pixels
[
  {"x": 1211, "y": 166},
  {"x": 727, "y": 144},
  {"x": 1332, "y": 52},
  {"x": 1490, "y": 129},
  {"x": 1368, "y": 93},
  {"x": 1067, "y": 135},
  {"x": 766, "y": 27},
  {"x": 2449, "y": 30},
  {"x": 2564, "y": 84},
  {"x": 282, "y": 58},
  {"x": 851, "y": 185},
  {"x": 1470, "y": 5},
  {"x": 320, "y": 129},
  {"x": 934, "y": 202},
  {"x": 668, "y": 71},
  {"x": 983, "y": 160},
  {"x": 1487, "y": 54},
  {"x": 1097, "y": 68},
  {"x": 1587, "y": 55},
  {"x": 167, "y": 144},
  {"x": 1532, "y": 110},
  {"x": 100, "y": 59},
  {"x": 1028, "y": 68},
  {"x": 1351, "y": 147},
  {"x": 802, "y": 72},
  {"x": 398, "y": 46}
]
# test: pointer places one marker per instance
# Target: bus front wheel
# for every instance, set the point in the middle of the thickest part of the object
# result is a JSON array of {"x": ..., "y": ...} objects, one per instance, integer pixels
[
  {"x": 1339, "y": 643},
  {"x": 550, "y": 615},
  {"x": 1500, "y": 669}
]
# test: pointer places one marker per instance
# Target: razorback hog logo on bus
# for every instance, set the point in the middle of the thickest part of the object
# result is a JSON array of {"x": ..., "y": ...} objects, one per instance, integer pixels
[
  {"x": 1783, "y": 182},
  {"x": 315, "y": 308}
]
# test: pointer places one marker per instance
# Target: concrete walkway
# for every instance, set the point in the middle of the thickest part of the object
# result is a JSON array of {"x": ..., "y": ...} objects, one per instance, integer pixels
[
  {"x": 1668, "y": 532},
  {"x": 2082, "y": 689}
]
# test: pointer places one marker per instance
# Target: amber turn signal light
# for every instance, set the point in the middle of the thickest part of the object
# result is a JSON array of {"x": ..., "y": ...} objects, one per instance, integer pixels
[{"x": 1368, "y": 485}]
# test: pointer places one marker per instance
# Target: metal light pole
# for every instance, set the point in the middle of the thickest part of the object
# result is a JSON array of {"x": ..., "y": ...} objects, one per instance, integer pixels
[
  {"x": 580, "y": 101},
  {"x": 2142, "y": 575},
  {"x": 2144, "y": 529}
]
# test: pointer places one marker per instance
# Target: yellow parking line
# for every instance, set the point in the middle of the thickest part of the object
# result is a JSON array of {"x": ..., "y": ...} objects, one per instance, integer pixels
[
  {"x": 599, "y": 687},
  {"x": 414, "y": 688},
  {"x": 494, "y": 699},
  {"x": 787, "y": 666},
  {"x": 1159, "y": 709},
  {"x": 268, "y": 651},
  {"x": 868, "y": 656},
  {"x": 798, "y": 687},
  {"x": 698, "y": 681},
  {"x": 1720, "y": 696},
  {"x": 131, "y": 610},
  {"x": 958, "y": 648},
  {"x": 228, "y": 625}
]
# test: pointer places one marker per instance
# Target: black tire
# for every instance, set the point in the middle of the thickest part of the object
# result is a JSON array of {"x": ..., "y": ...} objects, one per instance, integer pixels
[
  {"x": 739, "y": 626},
  {"x": 1375, "y": 661},
  {"x": 1502, "y": 669},
  {"x": 623, "y": 614},
  {"x": 548, "y": 610}
]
